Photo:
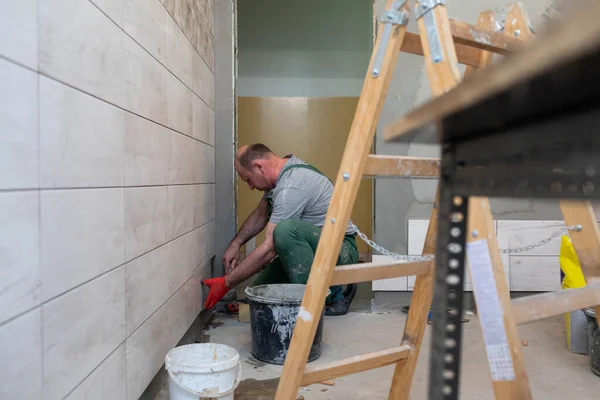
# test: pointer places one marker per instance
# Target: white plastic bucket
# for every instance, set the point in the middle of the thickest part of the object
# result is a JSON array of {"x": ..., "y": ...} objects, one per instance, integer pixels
[{"x": 203, "y": 371}]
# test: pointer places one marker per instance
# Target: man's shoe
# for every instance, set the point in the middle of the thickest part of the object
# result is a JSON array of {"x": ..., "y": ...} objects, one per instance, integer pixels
[{"x": 341, "y": 305}]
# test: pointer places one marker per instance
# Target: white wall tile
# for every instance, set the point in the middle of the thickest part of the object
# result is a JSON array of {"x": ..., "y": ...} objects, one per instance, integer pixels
[
  {"x": 417, "y": 231},
  {"x": 114, "y": 9},
  {"x": 152, "y": 278},
  {"x": 148, "y": 345},
  {"x": 146, "y": 22},
  {"x": 204, "y": 165},
  {"x": 81, "y": 138},
  {"x": 19, "y": 253},
  {"x": 107, "y": 382},
  {"x": 82, "y": 236},
  {"x": 180, "y": 210},
  {"x": 147, "y": 152},
  {"x": 204, "y": 81},
  {"x": 145, "y": 83},
  {"x": 204, "y": 204},
  {"x": 86, "y": 52},
  {"x": 18, "y": 31},
  {"x": 203, "y": 121},
  {"x": 181, "y": 169},
  {"x": 143, "y": 285},
  {"x": 21, "y": 357},
  {"x": 80, "y": 329},
  {"x": 391, "y": 284},
  {"x": 204, "y": 242},
  {"x": 179, "y": 106},
  {"x": 146, "y": 219},
  {"x": 18, "y": 125},
  {"x": 180, "y": 53},
  {"x": 534, "y": 273}
]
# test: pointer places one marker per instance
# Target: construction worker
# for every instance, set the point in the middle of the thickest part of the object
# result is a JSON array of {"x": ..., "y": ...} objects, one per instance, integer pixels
[{"x": 293, "y": 211}]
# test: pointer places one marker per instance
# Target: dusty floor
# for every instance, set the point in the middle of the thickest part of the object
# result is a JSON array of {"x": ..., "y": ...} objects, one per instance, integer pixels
[{"x": 554, "y": 372}]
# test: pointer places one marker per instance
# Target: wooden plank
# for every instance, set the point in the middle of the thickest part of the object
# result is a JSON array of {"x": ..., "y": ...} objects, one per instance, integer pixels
[
  {"x": 402, "y": 166},
  {"x": 484, "y": 39},
  {"x": 480, "y": 221},
  {"x": 416, "y": 321},
  {"x": 466, "y": 55},
  {"x": 358, "y": 145},
  {"x": 586, "y": 241},
  {"x": 551, "y": 304},
  {"x": 481, "y": 238},
  {"x": 442, "y": 77},
  {"x": 353, "y": 365},
  {"x": 373, "y": 271},
  {"x": 578, "y": 35}
]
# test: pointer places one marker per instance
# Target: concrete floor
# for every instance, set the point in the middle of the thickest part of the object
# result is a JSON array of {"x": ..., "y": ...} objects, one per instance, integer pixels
[{"x": 554, "y": 372}]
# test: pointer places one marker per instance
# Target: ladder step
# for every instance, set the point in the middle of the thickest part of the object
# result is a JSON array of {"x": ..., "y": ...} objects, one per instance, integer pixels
[
  {"x": 546, "y": 305},
  {"x": 415, "y": 167},
  {"x": 484, "y": 39},
  {"x": 365, "y": 272},
  {"x": 352, "y": 365},
  {"x": 466, "y": 55}
]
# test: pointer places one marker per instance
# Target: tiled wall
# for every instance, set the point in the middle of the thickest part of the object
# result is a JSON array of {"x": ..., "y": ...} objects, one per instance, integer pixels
[{"x": 107, "y": 190}]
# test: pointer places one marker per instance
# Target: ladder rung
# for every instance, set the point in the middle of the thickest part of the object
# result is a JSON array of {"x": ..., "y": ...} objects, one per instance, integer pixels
[
  {"x": 466, "y": 55},
  {"x": 495, "y": 42},
  {"x": 415, "y": 167},
  {"x": 353, "y": 273},
  {"x": 546, "y": 305},
  {"x": 352, "y": 365}
]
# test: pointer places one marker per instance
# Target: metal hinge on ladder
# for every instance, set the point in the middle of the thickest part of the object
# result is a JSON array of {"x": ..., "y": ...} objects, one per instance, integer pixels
[
  {"x": 393, "y": 16},
  {"x": 423, "y": 10}
]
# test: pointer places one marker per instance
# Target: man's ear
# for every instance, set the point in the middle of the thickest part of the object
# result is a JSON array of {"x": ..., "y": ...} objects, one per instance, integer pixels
[{"x": 259, "y": 165}]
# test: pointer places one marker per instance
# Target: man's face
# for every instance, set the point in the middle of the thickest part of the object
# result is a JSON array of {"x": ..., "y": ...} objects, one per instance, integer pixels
[{"x": 255, "y": 177}]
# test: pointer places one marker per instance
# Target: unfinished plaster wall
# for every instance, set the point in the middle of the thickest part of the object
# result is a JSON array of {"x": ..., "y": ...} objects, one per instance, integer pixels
[{"x": 107, "y": 209}]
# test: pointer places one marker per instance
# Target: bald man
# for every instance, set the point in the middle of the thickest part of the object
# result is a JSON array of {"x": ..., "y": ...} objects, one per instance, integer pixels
[{"x": 293, "y": 210}]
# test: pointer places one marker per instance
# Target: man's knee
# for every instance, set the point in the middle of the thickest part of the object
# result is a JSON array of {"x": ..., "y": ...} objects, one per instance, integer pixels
[{"x": 283, "y": 231}]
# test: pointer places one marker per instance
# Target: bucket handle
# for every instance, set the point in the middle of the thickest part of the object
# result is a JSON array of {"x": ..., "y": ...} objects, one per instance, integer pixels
[{"x": 212, "y": 396}]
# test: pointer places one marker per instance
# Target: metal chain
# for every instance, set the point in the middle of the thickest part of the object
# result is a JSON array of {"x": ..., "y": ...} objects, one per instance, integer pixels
[
  {"x": 400, "y": 257},
  {"x": 396, "y": 256},
  {"x": 542, "y": 242}
]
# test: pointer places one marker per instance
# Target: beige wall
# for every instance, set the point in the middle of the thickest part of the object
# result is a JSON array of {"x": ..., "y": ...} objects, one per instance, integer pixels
[{"x": 106, "y": 190}]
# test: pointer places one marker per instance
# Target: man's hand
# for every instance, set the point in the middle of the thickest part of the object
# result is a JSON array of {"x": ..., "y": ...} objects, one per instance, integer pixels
[
  {"x": 231, "y": 258},
  {"x": 218, "y": 289}
]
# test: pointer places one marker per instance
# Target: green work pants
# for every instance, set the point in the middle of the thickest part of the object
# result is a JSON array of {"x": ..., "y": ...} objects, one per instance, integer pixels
[{"x": 296, "y": 243}]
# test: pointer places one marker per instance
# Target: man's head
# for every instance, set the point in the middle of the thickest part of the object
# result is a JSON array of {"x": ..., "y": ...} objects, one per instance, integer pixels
[{"x": 258, "y": 166}]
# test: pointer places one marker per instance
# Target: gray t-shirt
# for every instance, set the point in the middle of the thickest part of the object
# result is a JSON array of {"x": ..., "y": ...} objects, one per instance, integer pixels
[{"x": 301, "y": 193}]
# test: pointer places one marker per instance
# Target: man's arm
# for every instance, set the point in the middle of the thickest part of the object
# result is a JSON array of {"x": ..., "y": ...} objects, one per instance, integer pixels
[
  {"x": 255, "y": 261},
  {"x": 253, "y": 225}
]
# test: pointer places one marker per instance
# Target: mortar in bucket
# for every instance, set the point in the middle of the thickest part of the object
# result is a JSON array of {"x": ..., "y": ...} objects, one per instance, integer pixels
[
  {"x": 203, "y": 371},
  {"x": 273, "y": 312}
]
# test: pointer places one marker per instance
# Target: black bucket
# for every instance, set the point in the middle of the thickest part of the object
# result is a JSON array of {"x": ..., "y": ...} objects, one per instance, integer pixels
[
  {"x": 273, "y": 312},
  {"x": 593, "y": 340}
]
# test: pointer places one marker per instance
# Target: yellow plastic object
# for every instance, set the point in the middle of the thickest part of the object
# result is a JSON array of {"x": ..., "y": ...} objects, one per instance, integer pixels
[{"x": 569, "y": 264}]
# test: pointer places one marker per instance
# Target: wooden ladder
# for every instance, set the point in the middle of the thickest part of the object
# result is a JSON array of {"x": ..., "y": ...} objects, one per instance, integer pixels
[{"x": 444, "y": 43}]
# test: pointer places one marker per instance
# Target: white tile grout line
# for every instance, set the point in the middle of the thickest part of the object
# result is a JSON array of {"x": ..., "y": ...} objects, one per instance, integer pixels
[
  {"x": 46, "y": 189},
  {"x": 41, "y": 304},
  {"x": 40, "y": 73}
]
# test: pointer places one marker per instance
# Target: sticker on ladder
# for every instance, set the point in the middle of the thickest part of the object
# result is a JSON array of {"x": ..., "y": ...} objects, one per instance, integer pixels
[{"x": 490, "y": 311}]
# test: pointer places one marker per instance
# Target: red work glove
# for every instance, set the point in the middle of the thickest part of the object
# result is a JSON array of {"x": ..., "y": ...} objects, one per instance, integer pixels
[{"x": 218, "y": 289}]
